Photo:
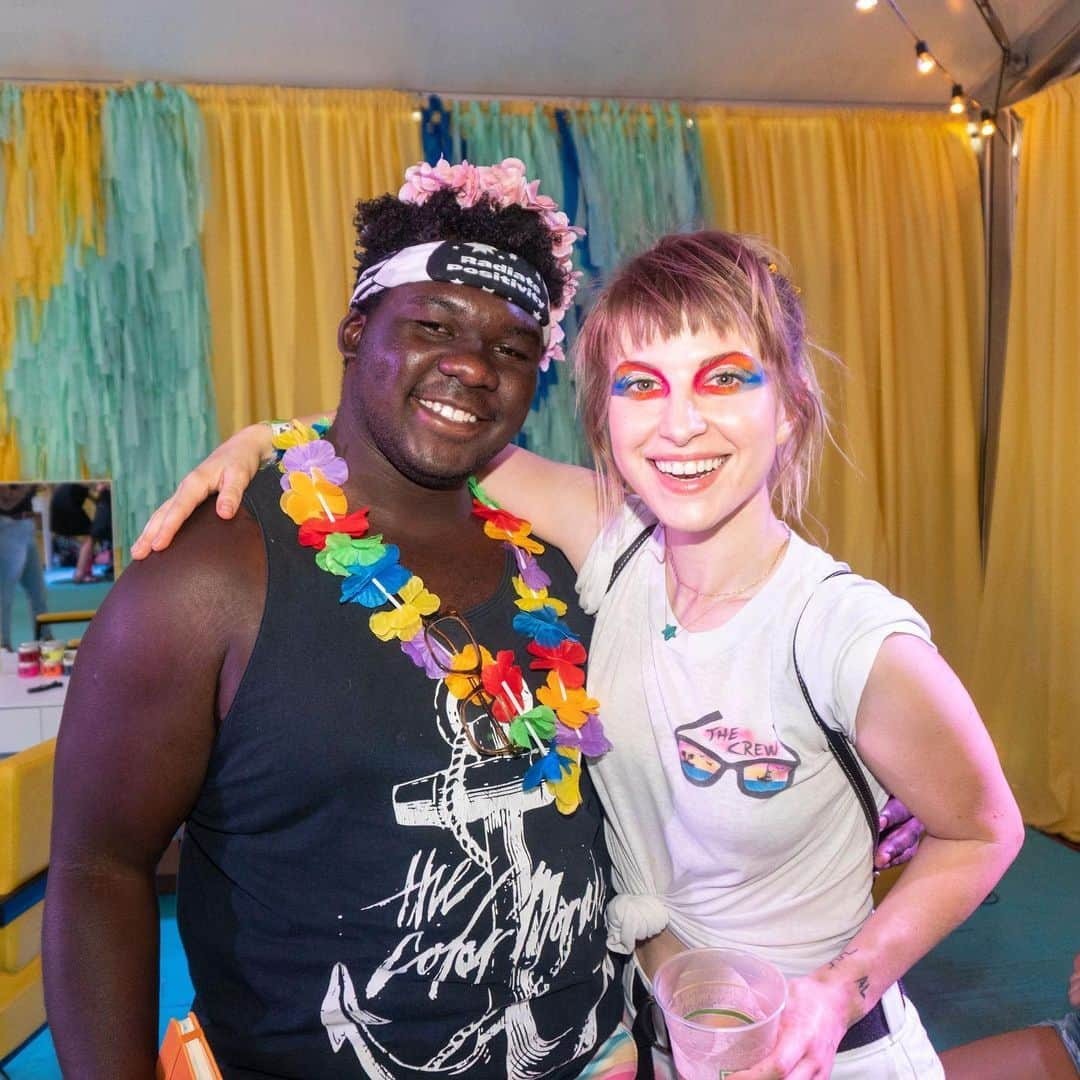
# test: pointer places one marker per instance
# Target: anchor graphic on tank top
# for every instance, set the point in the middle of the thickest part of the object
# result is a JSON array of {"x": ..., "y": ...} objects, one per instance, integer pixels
[{"x": 519, "y": 909}]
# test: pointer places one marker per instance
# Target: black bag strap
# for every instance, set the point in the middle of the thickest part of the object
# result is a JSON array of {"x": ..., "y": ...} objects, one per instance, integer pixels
[
  {"x": 838, "y": 743},
  {"x": 628, "y": 554}
]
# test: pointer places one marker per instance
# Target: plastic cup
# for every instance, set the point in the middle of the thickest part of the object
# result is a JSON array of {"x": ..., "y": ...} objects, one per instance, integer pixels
[{"x": 721, "y": 1008}]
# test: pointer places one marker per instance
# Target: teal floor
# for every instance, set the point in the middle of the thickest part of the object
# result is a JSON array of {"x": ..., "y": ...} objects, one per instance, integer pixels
[{"x": 1006, "y": 967}]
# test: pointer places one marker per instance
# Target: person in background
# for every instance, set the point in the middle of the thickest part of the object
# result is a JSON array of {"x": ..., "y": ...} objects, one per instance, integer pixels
[
  {"x": 68, "y": 518},
  {"x": 20, "y": 560},
  {"x": 729, "y": 821}
]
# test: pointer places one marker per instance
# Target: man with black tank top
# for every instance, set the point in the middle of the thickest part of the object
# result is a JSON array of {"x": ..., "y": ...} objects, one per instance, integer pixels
[{"x": 365, "y": 888}]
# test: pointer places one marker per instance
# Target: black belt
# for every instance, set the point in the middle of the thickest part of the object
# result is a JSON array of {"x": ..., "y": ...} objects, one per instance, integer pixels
[
  {"x": 870, "y": 1028},
  {"x": 648, "y": 1032}
]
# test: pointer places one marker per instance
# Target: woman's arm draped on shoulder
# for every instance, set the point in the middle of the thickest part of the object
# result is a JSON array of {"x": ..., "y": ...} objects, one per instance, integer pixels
[
  {"x": 560, "y": 501},
  {"x": 919, "y": 733},
  {"x": 227, "y": 470}
]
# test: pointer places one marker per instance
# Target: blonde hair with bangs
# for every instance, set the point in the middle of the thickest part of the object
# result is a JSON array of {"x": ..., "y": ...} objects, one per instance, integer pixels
[{"x": 692, "y": 282}]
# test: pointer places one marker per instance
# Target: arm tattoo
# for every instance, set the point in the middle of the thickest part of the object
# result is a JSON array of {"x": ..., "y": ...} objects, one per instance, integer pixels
[
  {"x": 863, "y": 983},
  {"x": 843, "y": 954}
]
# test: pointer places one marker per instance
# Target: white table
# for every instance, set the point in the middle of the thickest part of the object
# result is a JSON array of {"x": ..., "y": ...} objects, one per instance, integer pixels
[{"x": 27, "y": 719}]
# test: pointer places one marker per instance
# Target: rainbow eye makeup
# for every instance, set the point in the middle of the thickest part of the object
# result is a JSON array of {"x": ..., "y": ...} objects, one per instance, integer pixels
[
  {"x": 731, "y": 373},
  {"x": 638, "y": 382}
]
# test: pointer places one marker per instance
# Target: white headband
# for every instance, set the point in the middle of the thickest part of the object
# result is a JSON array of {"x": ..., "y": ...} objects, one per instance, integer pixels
[{"x": 462, "y": 262}]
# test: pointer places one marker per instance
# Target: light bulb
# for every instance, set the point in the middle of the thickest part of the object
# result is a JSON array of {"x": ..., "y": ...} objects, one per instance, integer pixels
[
  {"x": 924, "y": 61},
  {"x": 987, "y": 127},
  {"x": 865, "y": 5},
  {"x": 958, "y": 105}
]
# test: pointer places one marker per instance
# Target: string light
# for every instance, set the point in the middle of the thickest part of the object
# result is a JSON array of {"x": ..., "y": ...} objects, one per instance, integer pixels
[
  {"x": 926, "y": 61},
  {"x": 417, "y": 115}
]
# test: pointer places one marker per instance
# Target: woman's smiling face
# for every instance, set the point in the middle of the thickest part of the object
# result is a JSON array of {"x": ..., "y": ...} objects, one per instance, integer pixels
[{"x": 695, "y": 424}]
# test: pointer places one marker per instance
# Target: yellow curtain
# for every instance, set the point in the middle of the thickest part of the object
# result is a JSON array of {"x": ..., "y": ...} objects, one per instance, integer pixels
[
  {"x": 50, "y": 153},
  {"x": 879, "y": 214},
  {"x": 287, "y": 167},
  {"x": 1028, "y": 663}
]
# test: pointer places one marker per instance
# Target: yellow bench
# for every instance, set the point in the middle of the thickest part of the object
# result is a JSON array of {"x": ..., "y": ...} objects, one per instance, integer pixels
[
  {"x": 25, "y": 822},
  {"x": 51, "y": 618}
]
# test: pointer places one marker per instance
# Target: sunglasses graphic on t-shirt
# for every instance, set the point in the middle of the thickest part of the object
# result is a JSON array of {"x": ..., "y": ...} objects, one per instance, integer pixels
[{"x": 709, "y": 747}]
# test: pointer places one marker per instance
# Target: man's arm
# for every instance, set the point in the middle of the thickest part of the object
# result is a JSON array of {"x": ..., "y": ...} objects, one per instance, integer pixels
[{"x": 158, "y": 666}]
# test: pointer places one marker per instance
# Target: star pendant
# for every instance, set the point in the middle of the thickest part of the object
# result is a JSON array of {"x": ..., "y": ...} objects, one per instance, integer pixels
[{"x": 669, "y": 631}]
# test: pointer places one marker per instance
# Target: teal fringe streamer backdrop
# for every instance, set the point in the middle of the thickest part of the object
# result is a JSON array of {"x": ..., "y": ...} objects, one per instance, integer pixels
[
  {"x": 641, "y": 177},
  {"x": 627, "y": 173},
  {"x": 485, "y": 133},
  {"x": 113, "y": 375},
  {"x": 110, "y": 376}
]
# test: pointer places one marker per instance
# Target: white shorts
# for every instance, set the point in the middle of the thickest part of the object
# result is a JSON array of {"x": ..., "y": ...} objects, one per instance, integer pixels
[{"x": 904, "y": 1054}]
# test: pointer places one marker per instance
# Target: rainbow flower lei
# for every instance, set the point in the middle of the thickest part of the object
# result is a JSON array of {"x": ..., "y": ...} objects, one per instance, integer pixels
[{"x": 564, "y": 725}]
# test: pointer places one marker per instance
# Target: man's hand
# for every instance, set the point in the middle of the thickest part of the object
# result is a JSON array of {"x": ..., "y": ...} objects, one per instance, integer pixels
[{"x": 900, "y": 835}]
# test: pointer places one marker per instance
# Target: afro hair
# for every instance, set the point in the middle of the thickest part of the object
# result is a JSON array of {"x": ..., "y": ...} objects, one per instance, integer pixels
[{"x": 386, "y": 225}]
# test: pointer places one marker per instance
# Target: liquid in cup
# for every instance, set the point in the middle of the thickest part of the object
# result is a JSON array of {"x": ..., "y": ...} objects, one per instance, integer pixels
[{"x": 721, "y": 1008}]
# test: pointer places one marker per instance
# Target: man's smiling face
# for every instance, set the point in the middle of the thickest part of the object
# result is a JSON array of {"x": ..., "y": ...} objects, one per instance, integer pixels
[{"x": 440, "y": 377}]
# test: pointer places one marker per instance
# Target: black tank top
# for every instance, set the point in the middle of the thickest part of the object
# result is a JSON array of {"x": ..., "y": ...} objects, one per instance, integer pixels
[{"x": 360, "y": 894}]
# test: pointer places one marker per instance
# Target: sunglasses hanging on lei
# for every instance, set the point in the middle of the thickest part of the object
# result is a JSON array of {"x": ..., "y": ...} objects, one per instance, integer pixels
[{"x": 563, "y": 726}]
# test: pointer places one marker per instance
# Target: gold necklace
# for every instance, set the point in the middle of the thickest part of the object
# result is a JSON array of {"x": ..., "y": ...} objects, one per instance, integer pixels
[{"x": 718, "y": 598}]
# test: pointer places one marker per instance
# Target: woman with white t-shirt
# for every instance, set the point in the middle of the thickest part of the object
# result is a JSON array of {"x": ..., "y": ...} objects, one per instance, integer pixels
[{"x": 719, "y": 634}]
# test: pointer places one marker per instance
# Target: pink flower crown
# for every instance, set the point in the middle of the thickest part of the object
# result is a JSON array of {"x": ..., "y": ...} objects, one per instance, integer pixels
[{"x": 506, "y": 185}]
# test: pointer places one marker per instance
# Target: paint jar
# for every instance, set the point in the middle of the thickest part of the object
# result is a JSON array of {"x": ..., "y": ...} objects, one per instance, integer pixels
[
  {"x": 29, "y": 660},
  {"x": 29, "y": 650},
  {"x": 69, "y": 661},
  {"x": 52, "y": 658}
]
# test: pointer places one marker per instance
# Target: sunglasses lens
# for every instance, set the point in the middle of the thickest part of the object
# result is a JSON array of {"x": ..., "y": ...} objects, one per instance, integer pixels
[
  {"x": 699, "y": 766},
  {"x": 484, "y": 732},
  {"x": 446, "y": 637},
  {"x": 766, "y": 777}
]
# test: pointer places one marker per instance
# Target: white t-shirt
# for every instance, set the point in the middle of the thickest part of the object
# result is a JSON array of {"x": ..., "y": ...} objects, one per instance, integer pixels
[{"x": 729, "y": 821}]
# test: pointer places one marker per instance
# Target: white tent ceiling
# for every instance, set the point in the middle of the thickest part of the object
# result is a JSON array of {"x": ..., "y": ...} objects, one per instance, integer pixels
[{"x": 724, "y": 50}]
